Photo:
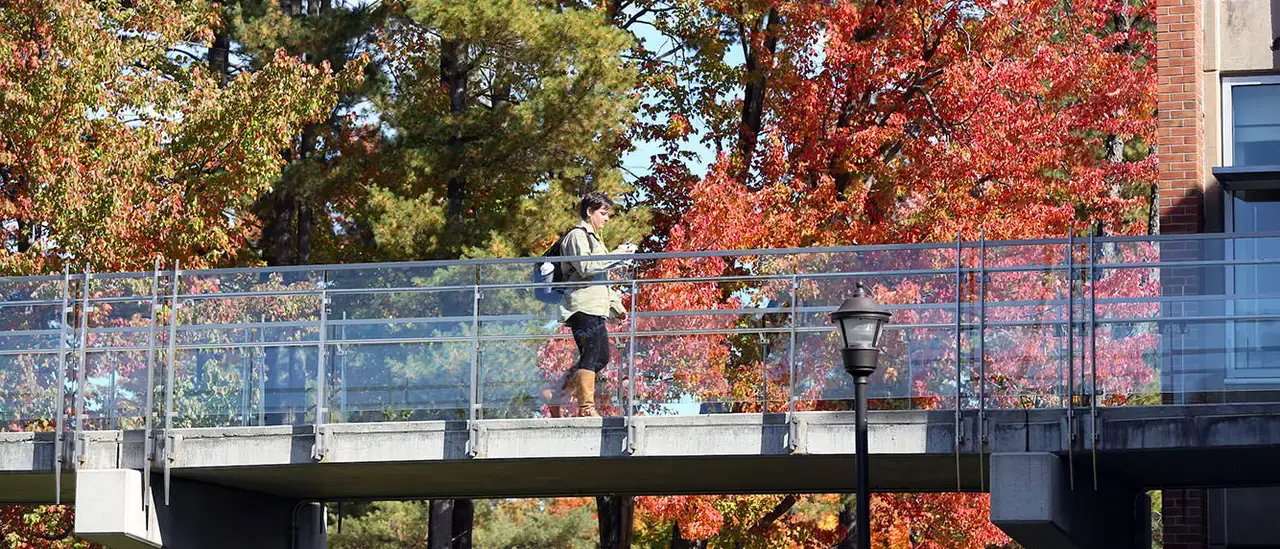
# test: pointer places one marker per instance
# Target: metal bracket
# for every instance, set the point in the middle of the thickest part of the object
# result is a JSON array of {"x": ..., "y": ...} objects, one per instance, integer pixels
[
  {"x": 477, "y": 435},
  {"x": 80, "y": 447},
  {"x": 635, "y": 430},
  {"x": 320, "y": 448},
  {"x": 167, "y": 452},
  {"x": 166, "y": 447},
  {"x": 984, "y": 432},
  {"x": 797, "y": 435}
]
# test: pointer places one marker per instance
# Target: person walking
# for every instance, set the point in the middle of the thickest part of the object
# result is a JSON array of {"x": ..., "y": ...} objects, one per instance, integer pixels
[{"x": 586, "y": 308}]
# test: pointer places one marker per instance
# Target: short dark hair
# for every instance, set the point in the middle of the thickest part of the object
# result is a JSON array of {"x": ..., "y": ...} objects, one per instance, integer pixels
[{"x": 593, "y": 201}]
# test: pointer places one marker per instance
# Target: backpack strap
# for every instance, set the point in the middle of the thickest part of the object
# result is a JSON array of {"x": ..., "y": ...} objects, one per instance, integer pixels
[{"x": 566, "y": 234}]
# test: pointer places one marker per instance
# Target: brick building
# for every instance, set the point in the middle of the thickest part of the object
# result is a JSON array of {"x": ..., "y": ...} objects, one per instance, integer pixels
[{"x": 1219, "y": 148}]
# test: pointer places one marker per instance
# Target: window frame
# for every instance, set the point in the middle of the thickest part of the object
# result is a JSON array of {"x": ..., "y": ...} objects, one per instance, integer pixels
[
  {"x": 1227, "y": 122},
  {"x": 1226, "y": 125}
]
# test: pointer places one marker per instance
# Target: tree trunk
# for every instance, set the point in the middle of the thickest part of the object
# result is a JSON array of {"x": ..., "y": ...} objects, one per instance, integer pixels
[
  {"x": 615, "y": 514},
  {"x": 757, "y": 83},
  {"x": 454, "y": 72},
  {"x": 449, "y": 524},
  {"x": 305, "y": 227},
  {"x": 279, "y": 231},
  {"x": 464, "y": 512},
  {"x": 678, "y": 541},
  {"x": 220, "y": 55},
  {"x": 440, "y": 524},
  {"x": 847, "y": 523}
]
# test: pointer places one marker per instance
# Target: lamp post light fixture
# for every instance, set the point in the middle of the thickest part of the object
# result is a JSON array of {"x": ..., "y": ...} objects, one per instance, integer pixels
[{"x": 861, "y": 321}]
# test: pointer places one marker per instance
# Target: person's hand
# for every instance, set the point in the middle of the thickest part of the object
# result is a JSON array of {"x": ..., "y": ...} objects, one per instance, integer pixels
[{"x": 622, "y": 316}]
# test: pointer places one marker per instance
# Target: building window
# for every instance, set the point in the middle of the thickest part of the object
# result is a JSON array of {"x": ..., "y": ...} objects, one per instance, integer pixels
[
  {"x": 1251, "y": 121},
  {"x": 1250, "y": 149}
]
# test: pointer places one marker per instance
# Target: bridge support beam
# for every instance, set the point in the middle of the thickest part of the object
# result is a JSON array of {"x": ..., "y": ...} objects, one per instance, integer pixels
[
  {"x": 1032, "y": 501},
  {"x": 109, "y": 511}
]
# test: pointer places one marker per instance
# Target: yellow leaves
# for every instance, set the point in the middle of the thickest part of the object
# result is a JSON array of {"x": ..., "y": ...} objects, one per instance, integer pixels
[{"x": 891, "y": 374}]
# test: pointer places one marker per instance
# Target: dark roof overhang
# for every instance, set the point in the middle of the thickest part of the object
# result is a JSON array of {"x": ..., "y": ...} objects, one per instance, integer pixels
[{"x": 1248, "y": 178}]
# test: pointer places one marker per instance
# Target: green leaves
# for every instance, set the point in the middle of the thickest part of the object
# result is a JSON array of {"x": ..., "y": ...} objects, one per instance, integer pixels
[
  {"x": 118, "y": 148},
  {"x": 545, "y": 100}
]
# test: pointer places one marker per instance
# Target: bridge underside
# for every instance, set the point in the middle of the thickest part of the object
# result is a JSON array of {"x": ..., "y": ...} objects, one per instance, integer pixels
[{"x": 731, "y": 475}]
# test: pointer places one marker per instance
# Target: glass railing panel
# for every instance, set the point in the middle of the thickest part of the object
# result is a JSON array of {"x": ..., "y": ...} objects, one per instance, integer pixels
[
  {"x": 1129, "y": 364},
  {"x": 508, "y": 311},
  {"x": 217, "y": 320},
  {"x": 30, "y": 327},
  {"x": 400, "y": 315},
  {"x": 761, "y": 379},
  {"x": 214, "y": 387},
  {"x": 123, "y": 285},
  {"x": 917, "y": 258},
  {"x": 29, "y": 386},
  {"x": 916, "y": 371},
  {"x": 728, "y": 306},
  {"x": 398, "y": 381},
  {"x": 524, "y": 377},
  {"x": 122, "y": 322},
  {"x": 257, "y": 281},
  {"x": 1022, "y": 283},
  {"x": 406, "y": 276},
  {"x": 689, "y": 374},
  {"x": 913, "y": 299},
  {"x": 1026, "y": 365},
  {"x": 36, "y": 288},
  {"x": 116, "y": 389}
]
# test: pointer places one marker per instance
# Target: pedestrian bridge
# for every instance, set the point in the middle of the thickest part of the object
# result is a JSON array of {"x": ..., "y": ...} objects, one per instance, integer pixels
[
  {"x": 1135, "y": 447},
  {"x": 1134, "y": 362}
]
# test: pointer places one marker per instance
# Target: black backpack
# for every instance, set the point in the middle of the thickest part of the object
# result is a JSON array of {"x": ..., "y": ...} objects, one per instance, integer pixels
[{"x": 542, "y": 274}]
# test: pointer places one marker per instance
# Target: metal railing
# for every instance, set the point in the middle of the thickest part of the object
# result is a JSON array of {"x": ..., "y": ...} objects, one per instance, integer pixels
[{"x": 1072, "y": 323}]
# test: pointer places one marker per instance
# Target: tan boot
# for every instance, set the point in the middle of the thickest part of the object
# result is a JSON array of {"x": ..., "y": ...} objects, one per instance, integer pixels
[{"x": 584, "y": 386}]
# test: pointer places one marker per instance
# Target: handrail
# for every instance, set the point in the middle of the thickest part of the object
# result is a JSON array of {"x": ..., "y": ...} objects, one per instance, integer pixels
[
  {"x": 940, "y": 246},
  {"x": 498, "y": 334}
]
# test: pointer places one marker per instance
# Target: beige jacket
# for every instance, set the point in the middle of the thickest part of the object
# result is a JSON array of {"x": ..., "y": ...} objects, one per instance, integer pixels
[{"x": 596, "y": 299}]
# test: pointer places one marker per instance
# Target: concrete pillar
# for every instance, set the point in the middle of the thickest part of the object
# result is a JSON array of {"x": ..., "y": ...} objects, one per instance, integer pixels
[
  {"x": 1032, "y": 501},
  {"x": 198, "y": 516}
]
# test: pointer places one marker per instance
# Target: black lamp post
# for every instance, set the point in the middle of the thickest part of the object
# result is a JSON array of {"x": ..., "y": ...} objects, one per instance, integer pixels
[{"x": 861, "y": 321}]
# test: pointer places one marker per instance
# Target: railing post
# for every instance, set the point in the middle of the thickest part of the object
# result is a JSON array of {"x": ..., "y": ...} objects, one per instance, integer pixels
[
  {"x": 1093, "y": 360},
  {"x": 982, "y": 358},
  {"x": 1071, "y": 358},
  {"x": 959, "y": 350},
  {"x": 342, "y": 370},
  {"x": 260, "y": 351},
  {"x": 60, "y": 398},
  {"x": 473, "y": 393},
  {"x": 148, "y": 444},
  {"x": 793, "y": 425},
  {"x": 763, "y": 339},
  {"x": 81, "y": 378},
  {"x": 629, "y": 419},
  {"x": 246, "y": 379},
  {"x": 318, "y": 449},
  {"x": 166, "y": 441}
]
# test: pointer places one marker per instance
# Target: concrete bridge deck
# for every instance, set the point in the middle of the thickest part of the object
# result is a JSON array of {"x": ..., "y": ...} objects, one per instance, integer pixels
[{"x": 1137, "y": 447}]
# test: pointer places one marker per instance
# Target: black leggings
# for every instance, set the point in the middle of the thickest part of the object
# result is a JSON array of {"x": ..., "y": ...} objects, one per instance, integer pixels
[{"x": 592, "y": 337}]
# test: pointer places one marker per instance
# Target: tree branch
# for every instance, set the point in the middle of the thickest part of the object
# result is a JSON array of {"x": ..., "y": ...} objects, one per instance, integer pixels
[{"x": 772, "y": 516}]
